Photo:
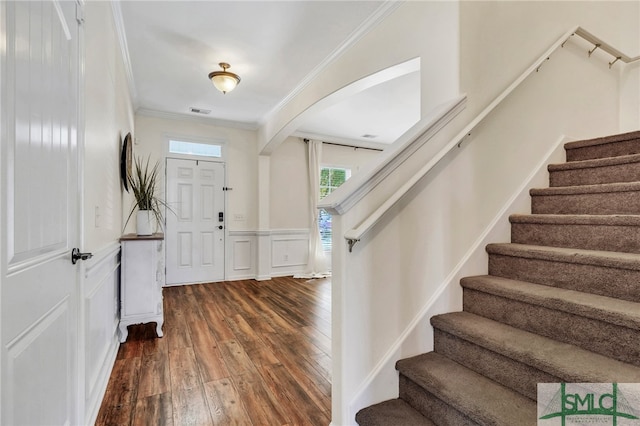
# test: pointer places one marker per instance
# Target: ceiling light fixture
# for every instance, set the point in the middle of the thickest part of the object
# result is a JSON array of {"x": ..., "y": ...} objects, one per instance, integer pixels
[{"x": 224, "y": 80}]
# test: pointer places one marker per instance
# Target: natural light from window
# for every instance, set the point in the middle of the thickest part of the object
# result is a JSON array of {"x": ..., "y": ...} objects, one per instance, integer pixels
[
  {"x": 193, "y": 148},
  {"x": 330, "y": 179}
]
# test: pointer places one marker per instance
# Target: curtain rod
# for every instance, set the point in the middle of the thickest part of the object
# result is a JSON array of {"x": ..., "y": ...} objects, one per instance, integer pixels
[{"x": 305, "y": 140}]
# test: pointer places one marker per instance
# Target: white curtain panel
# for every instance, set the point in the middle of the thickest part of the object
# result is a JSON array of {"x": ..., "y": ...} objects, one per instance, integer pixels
[{"x": 317, "y": 266}]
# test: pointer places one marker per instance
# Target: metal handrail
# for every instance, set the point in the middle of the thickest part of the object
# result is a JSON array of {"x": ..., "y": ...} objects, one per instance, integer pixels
[{"x": 353, "y": 236}]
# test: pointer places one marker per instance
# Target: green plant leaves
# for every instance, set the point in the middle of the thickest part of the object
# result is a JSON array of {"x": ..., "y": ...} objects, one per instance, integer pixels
[{"x": 143, "y": 182}]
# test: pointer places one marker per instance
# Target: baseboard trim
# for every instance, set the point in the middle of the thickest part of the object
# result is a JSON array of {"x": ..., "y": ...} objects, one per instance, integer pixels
[{"x": 93, "y": 409}]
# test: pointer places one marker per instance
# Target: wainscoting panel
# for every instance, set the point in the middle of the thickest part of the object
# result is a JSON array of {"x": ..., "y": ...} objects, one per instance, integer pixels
[
  {"x": 242, "y": 255},
  {"x": 286, "y": 253},
  {"x": 289, "y": 251},
  {"x": 100, "y": 305}
]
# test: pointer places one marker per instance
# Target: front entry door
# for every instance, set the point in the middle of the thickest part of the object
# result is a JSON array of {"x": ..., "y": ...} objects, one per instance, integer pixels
[
  {"x": 195, "y": 233},
  {"x": 39, "y": 213}
]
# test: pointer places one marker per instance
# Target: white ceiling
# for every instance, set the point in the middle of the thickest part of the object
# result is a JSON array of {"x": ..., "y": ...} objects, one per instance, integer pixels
[{"x": 275, "y": 47}]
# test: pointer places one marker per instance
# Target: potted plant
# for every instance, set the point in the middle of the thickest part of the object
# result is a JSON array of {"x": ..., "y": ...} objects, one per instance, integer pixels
[{"x": 142, "y": 182}]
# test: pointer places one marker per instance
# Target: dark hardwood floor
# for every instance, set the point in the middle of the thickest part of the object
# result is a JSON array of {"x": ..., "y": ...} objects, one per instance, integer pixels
[{"x": 242, "y": 352}]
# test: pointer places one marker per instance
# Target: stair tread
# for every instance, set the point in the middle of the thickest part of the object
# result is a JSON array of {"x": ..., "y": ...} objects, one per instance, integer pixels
[
  {"x": 522, "y": 357},
  {"x": 612, "y": 310},
  {"x": 394, "y": 412},
  {"x": 595, "y": 162},
  {"x": 472, "y": 394},
  {"x": 602, "y": 140},
  {"x": 567, "y": 362},
  {"x": 577, "y": 219},
  {"x": 600, "y": 188},
  {"x": 609, "y": 259}
]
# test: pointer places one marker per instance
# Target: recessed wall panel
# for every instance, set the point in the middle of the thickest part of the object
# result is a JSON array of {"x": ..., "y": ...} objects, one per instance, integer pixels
[
  {"x": 207, "y": 175},
  {"x": 208, "y": 248},
  {"x": 184, "y": 249},
  {"x": 207, "y": 201},
  {"x": 242, "y": 255},
  {"x": 185, "y": 173},
  {"x": 185, "y": 202}
]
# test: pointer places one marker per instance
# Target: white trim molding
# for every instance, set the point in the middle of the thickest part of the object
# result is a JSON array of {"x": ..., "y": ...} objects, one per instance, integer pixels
[
  {"x": 283, "y": 252},
  {"x": 124, "y": 50},
  {"x": 369, "y": 24},
  {"x": 241, "y": 255},
  {"x": 198, "y": 119},
  {"x": 289, "y": 251},
  {"x": 353, "y": 190},
  {"x": 100, "y": 316}
]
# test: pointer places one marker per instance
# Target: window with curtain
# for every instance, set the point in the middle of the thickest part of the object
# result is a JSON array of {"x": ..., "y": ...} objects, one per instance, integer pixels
[{"x": 330, "y": 179}]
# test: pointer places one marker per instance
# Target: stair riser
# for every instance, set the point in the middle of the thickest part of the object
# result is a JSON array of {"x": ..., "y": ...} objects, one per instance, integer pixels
[
  {"x": 605, "y": 281},
  {"x": 590, "y": 237},
  {"x": 613, "y": 149},
  {"x": 430, "y": 406},
  {"x": 601, "y": 337},
  {"x": 595, "y": 175},
  {"x": 506, "y": 371},
  {"x": 599, "y": 203}
]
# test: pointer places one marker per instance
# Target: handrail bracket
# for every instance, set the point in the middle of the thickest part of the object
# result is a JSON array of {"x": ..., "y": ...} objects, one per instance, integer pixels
[
  {"x": 614, "y": 61},
  {"x": 352, "y": 236},
  {"x": 566, "y": 40},
  {"x": 352, "y": 242}
]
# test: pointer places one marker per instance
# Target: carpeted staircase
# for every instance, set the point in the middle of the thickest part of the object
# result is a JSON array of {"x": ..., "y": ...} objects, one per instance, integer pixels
[{"x": 561, "y": 302}]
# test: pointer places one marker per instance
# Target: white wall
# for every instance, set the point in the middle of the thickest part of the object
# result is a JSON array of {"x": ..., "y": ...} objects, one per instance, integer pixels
[
  {"x": 532, "y": 26},
  {"x": 108, "y": 118},
  {"x": 289, "y": 199},
  {"x": 241, "y": 173},
  {"x": 383, "y": 291},
  {"x": 289, "y": 186},
  {"x": 427, "y": 30},
  {"x": 241, "y": 159},
  {"x": 289, "y": 183}
]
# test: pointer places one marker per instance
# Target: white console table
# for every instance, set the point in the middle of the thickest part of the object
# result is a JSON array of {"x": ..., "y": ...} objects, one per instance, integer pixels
[{"x": 141, "y": 281}]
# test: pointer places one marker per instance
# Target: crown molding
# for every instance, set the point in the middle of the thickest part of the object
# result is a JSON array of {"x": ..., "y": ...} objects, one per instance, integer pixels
[
  {"x": 198, "y": 119},
  {"x": 374, "y": 19},
  {"x": 124, "y": 50}
]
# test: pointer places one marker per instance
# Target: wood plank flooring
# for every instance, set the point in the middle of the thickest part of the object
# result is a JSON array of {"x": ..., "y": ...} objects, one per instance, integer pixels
[{"x": 233, "y": 353}]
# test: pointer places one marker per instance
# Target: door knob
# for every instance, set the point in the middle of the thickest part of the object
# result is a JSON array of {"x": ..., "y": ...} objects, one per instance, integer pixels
[{"x": 76, "y": 255}]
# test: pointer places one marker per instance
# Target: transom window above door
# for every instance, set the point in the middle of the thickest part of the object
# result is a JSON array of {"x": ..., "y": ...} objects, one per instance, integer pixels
[{"x": 195, "y": 148}]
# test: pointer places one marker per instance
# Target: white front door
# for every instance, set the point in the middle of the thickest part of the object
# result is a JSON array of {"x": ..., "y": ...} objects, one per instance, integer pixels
[
  {"x": 195, "y": 233},
  {"x": 39, "y": 213}
]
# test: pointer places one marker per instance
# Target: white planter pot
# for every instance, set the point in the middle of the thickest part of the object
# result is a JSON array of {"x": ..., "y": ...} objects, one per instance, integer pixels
[{"x": 143, "y": 222}]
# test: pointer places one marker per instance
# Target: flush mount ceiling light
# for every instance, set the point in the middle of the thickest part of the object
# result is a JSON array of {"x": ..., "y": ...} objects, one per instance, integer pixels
[{"x": 224, "y": 80}]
